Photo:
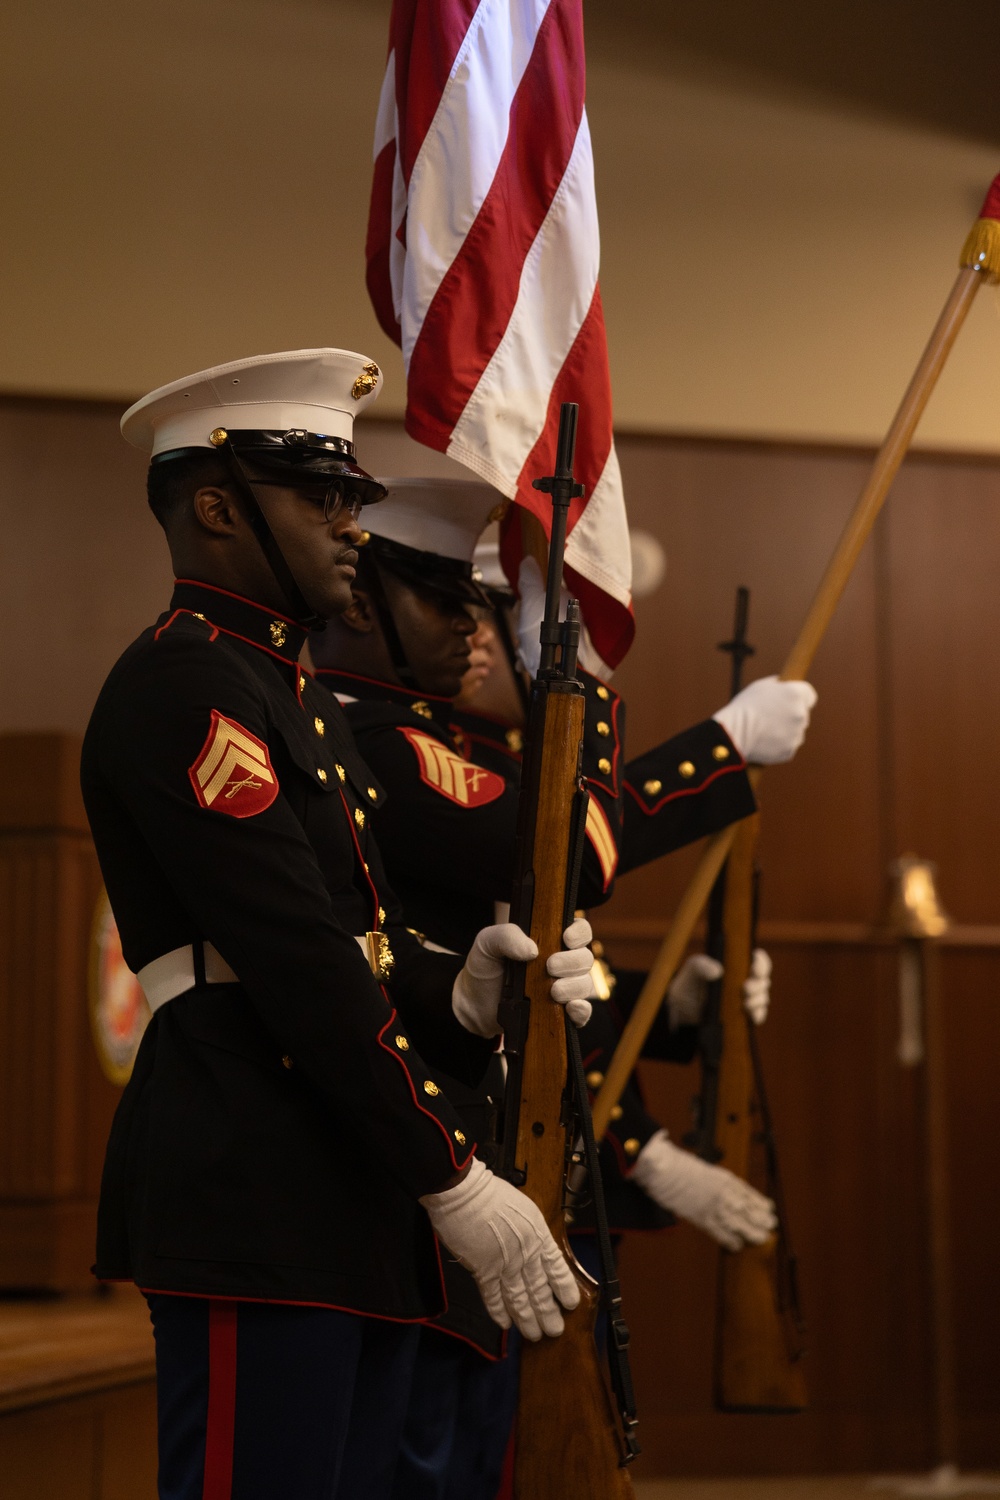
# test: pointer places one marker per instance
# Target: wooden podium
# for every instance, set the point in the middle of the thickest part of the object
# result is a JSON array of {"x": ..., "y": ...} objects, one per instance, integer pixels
[{"x": 56, "y": 1101}]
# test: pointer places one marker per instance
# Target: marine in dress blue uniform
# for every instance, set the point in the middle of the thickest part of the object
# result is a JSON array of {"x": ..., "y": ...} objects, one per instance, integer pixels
[
  {"x": 447, "y": 831},
  {"x": 285, "y": 1113}
]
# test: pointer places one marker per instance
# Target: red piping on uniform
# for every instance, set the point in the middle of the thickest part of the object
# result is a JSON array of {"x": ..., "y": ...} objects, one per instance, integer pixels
[
  {"x": 361, "y": 859},
  {"x": 233, "y": 1297},
  {"x": 624, "y": 1165},
  {"x": 379, "y": 682},
  {"x": 288, "y": 661},
  {"x": 274, "y": 614},
  {"x": 459, "y": 1166},
  {"x": 167, "y": 623},
  {"x": 221, "y": 1424},
  {"x": 685, "y": 791}
]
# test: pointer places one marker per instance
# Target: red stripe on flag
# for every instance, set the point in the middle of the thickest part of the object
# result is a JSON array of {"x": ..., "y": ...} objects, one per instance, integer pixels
[
  {"x": 585, "y": 378},
  {"x": 426, "y": 36},
  {"x": 221, "y": 1424},
  {"x": 379, "y": 240},
  {"x": 473, "y": 305}
]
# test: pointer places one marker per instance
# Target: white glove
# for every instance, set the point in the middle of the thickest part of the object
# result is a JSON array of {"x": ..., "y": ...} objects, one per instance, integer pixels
[
  {"x": 757, "y": 988},
  {"x": 499, "y": 1235},
  {"x": 710, "y": 1197},
  {"x": 531, "y": 609},
  {"x": 767, "y": 722},
  {"x": 686, "y": 995},
  {"x": 475, "y": 995}
]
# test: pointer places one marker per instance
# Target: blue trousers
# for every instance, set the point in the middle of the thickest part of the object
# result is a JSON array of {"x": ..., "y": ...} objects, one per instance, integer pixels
[
  {"x": 258, "y": 1401},
  {"x": 458, "y": 1422}
]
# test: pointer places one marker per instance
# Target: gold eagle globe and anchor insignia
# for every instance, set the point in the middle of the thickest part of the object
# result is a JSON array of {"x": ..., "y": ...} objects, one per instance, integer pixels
[{"x": 366, "y": 381}]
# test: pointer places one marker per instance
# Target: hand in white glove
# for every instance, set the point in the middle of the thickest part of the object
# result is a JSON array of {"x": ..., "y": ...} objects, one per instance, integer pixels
[
  {"x": 499, "y": 1235},
  {"x": 531, "y": 609},
  {"x": 475, "y": 995},
  {"x": 710, "y": 1197},
  {"x": 767, "y": 721},
  {"x": 757, "y": 988},
  {"x": 686, "y": 995}
]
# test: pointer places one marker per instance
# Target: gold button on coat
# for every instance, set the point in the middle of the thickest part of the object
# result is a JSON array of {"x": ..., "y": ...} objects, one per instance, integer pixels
[
  {"x": 341, "y": 772},
  {"x": 632, "y": 1146},
  {"x": 720, "y": 752},
  {"x": 319, "y": 726},
  {"x": 373, "y": 794},
  {"x": 430, "y": 1087},
  {"x": 302, "y": 683},
  {"x": 594, "y": 1080},
  {"x": 602, "y": 692},
  {"x": 515, "y": 741},
  {"x": 359, "y": 817},
  {"x": 402, "y": 1044},
  {"x": 286, "y": 1062},
  {"x": 460, "y": 1137},
  {"x": 604, "y": 766},
  {"x": 686, "y": 769},
  {"x": 616, "y": 1112},
  {"x": 321, "y": 774},
  {"x": 652, "y": 788},
  {"x": 603, "y": 728},
  {"x": 421, "y": 708},
  {"x": 381, "y": 915},
  {"x": 278, "y": 632}
]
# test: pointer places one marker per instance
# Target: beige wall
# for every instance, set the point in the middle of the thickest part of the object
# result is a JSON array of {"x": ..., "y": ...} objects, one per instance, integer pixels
[{"x": 190, "y": 180}]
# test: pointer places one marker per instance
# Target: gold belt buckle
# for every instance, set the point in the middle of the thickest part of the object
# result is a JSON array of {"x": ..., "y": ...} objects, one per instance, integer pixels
[{"x": 380, "y": 959}]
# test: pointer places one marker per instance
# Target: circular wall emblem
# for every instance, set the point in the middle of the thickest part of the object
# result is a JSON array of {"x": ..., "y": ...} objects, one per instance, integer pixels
[{"x": 119, "y": 1013}]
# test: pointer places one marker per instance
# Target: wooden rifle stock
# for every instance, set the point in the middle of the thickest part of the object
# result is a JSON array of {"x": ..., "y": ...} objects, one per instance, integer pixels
[
  {"x": 758, "y": 1350},
  {"x": 566, "y": 1438},
  {"x": 568, "y": 1441}
]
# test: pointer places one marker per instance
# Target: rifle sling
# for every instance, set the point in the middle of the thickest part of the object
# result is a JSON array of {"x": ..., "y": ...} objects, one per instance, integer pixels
[{"x": 611, "y": 1297}]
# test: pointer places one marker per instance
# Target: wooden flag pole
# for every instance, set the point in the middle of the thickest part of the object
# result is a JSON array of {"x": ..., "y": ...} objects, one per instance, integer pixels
[{"x": 980, "y": 262}]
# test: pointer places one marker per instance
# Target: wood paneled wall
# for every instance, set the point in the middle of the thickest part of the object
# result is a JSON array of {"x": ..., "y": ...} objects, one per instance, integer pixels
[{"x": 899, "y": 758}]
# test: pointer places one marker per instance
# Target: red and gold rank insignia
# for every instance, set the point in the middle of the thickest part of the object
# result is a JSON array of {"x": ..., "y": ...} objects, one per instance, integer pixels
[
  {"x": 233, "y": 774},
  {"x": 459, "y": 780},
  {"x": 601, "y": 837}
]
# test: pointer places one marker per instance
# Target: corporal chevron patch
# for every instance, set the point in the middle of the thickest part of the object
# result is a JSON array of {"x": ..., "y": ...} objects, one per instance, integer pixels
[
  {"x": 233, "y": 774},
  {"x": 461, "y": 781},
  {"x": 600, "y": 835}
]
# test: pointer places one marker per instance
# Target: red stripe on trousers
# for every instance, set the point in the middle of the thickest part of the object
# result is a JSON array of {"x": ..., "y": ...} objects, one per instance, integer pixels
[
  {"x": 472, "y": 307},
  {"x": 426, "y": 36},
  {"x": 221, "y": 1422}
]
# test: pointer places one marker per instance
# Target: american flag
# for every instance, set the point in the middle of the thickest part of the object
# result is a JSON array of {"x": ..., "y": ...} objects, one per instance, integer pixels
[{"x": 483, "y": 251}]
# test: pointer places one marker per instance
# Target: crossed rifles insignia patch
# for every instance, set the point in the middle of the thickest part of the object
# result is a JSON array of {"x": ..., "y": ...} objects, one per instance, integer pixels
[
  {"x": 233, "y": 774},
  {"x": 459, "y": 780}
]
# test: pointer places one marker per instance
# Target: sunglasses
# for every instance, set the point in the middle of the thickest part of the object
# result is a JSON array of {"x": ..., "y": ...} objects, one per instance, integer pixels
[{"x": 332, "y": 499}]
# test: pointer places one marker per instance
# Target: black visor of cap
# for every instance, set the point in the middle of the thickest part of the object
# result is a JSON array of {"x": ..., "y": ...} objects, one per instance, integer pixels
[
  {"x": 298, "y": 457},
  {"x": 430, "y": 572}
]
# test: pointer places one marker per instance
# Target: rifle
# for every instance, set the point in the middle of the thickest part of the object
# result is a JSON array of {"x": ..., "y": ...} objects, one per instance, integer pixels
[
  {"x": 758, "y": 1347},
  {"x": 569, "y": 1440}
]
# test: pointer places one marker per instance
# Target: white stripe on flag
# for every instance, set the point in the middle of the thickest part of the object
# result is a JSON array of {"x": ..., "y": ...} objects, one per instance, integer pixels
[
  {"x": 461, "y": 151},
  {"x": 507, "y": 411},
  {"x": 598, "y": 546},
  {"x": 385, "y": 120}
]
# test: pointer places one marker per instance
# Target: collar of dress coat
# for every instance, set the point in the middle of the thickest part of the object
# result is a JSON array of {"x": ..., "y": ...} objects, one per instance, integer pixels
[
  {"x": 348, "y": 685},
  {"x": 231, "y": 613}
]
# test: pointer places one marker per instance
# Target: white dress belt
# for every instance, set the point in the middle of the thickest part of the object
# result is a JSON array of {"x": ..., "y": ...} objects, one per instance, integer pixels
[{"x": 173, "y": 973}]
